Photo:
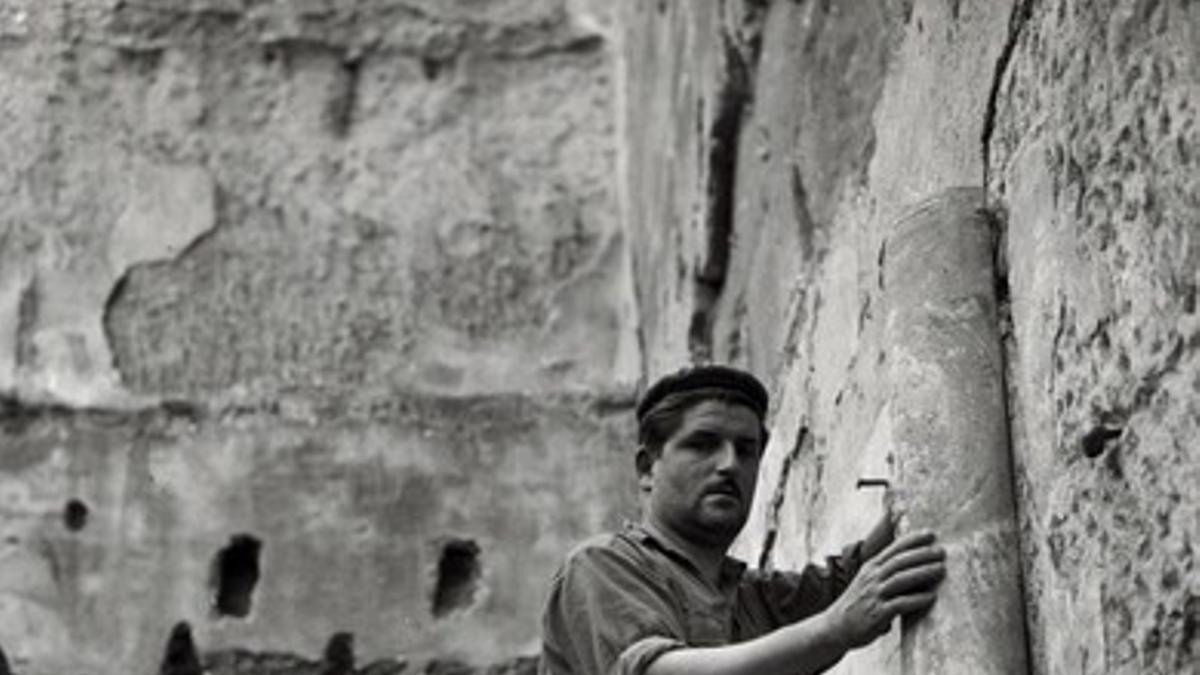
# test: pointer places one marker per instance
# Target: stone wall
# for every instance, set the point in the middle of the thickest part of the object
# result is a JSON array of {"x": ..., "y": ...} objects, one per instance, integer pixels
[
  {"x": 1093, "y": 158},
  {"x": 774, "y": 147},
  {"x": 315, "y": 317},
  {"x": 324, "y": 318}
]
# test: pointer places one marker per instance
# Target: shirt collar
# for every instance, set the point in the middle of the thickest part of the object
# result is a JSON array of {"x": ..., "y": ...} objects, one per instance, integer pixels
[{"x": 645, "y": 532}]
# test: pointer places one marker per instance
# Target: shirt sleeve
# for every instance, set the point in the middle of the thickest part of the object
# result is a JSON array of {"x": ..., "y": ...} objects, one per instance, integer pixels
[
  {"x": 793, "y": 596},
  {"x": 607, "y": 615}
]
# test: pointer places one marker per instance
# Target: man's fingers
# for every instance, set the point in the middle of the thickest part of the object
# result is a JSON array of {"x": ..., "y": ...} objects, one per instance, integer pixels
[
  {"x": 911, "y": 558},
  {"x": 913, "y": 579},
  {"x": 913, "y": 602},
  {"x": 905, "y": 543}
]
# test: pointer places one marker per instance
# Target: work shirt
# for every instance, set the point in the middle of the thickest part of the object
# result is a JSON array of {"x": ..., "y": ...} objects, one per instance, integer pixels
[{"x": 624, "y": 599}]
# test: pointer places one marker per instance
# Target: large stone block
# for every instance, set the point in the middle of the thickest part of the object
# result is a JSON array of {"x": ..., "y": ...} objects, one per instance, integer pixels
[{"x": 1092, "y": 158}]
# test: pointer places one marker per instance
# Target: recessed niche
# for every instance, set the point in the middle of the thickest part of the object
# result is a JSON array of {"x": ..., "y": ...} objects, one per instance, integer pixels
[
  {"x": 180, "y": 656},
  {"x": 458, "y": 575},
  {"x": 235, "y": 573},
  {"x": 339, "y": 653},
  {"x": 75, "y": 515}
]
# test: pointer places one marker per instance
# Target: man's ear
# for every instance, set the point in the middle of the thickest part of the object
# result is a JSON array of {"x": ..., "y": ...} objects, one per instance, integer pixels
[{"x": 644, "y": 461}]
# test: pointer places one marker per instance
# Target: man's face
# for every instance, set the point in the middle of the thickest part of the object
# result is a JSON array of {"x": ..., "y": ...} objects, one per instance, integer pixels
[{"x": 701, "y": 485}]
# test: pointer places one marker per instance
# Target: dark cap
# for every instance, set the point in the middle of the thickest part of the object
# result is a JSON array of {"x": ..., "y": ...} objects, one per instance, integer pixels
[{"x": 721, "y": 379}]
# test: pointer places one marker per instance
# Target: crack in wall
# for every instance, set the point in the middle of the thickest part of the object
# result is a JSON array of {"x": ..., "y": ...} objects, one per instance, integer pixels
[
  {"x": 779, "y": 496},
  {"x": 579, "y": 44},
  {"x": 27, "y": 314},
  {"x": 1021, "y": 13},
  {"x": 800, "y": 209},
  {"x": 17, "y": 415},
  {"x": 722, "y": 139},
  {"x": 343, "y": 100},
  {"x": 998, "y": 224}
]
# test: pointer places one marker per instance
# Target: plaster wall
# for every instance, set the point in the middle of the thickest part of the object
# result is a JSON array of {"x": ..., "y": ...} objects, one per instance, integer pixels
[
  {"x": 354, "y": 518},
  {"x": 1077, "y": 123},
  {"x": 347, "y": 277}
]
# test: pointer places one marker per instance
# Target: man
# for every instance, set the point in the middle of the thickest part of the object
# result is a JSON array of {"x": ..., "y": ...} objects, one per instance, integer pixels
[{"x": 663, "y": 598}]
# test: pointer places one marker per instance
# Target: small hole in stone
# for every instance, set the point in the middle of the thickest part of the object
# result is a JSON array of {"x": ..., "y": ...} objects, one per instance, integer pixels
[
  {"x": 75, "y": 515},
  {"x": 1096, "y": 441},
  {"x": 235, "y": 572},
  {"x": 431, "y": 67},
  {"x": 457, "y": 576}
]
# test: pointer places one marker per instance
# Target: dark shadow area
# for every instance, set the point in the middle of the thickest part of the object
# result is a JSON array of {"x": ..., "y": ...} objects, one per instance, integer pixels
[
  {"x": 457, "y": 576},
  {"x": 180, "y": 657},
  {"x": 75, "y": 515},
  {"x": 338, "y": 658},
  {"x": 235, "y": 573}
]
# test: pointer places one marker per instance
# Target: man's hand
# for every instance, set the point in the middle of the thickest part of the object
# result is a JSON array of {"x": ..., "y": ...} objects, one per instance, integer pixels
[
  {"x": 901, "y": 579},
  {"x": 880, "y": 536},
  {"x": 884, "y": 531}
]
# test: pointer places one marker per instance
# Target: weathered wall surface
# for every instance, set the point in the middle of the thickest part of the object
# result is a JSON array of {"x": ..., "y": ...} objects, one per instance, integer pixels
[
  {"x": 1078, "y": 119},
  {"x": 1093, "y": 155},
  {"x": 351, "y": 279},
  {"x": 400, "y": 191},
  {"x": 353, "y": 519},
  {"x": 347, "y": 277},
  {"x": 687, "y": 73}
]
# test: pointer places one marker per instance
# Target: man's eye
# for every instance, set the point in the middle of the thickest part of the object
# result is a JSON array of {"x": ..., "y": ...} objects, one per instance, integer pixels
[{"x": 704, "y": 441}]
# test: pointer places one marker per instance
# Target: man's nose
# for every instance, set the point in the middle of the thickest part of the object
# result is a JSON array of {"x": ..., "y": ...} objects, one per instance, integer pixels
[{"x": 727, "y": 456}]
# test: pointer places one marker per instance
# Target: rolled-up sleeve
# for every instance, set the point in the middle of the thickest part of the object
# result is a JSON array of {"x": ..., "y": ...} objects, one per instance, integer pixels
[{"x": 607, "y": 615}]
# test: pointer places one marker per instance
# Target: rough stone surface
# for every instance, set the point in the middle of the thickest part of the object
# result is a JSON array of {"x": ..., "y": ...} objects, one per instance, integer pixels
[
  {"x": 1079, "y": 120},
  {"x": 348, "y": 278},
  {"x": 353, "y": 195},
  {"x": 351, "y": 517},
  {"x": 685, "y": 83},
  {"x": 333, "y": 275},
  {"x": 1094, "y": 158},
  {"x": 804, "y": 149}
]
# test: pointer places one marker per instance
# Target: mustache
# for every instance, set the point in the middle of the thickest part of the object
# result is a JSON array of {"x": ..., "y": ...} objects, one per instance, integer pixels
[{"x": 724, "y": 487}]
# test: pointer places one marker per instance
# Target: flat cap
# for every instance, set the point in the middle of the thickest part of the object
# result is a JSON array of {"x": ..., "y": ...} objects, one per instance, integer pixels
[{"x": 711, "y": 377}]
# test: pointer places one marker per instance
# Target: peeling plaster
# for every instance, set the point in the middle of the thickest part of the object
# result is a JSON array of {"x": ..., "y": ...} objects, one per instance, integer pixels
[{"x": 167, "y": 209}]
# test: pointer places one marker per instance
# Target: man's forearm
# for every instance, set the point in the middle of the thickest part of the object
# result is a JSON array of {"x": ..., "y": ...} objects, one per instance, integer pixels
[{"x": 803, "y": 648}]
